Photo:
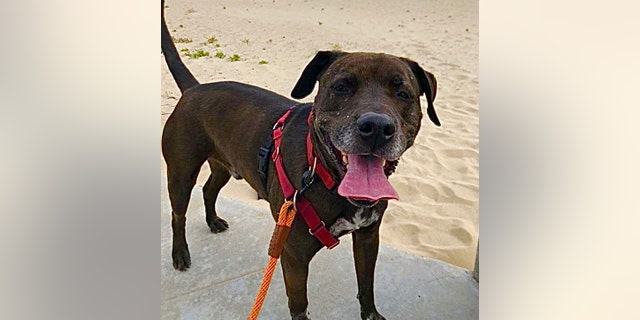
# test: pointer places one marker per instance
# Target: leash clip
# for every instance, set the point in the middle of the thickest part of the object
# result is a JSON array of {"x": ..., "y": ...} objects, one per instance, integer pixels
[{"x": 307, "y": 179}]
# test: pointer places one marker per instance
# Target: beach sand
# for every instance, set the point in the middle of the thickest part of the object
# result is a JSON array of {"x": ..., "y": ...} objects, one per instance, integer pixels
[{"x": 438, "y": 178}]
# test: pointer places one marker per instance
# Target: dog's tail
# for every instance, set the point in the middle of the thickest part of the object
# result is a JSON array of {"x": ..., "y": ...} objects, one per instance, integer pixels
[{"x": 181, "y": 74}]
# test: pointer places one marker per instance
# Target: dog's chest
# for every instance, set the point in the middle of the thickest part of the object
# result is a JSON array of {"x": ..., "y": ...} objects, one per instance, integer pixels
[{"x": 362, "y": 218}]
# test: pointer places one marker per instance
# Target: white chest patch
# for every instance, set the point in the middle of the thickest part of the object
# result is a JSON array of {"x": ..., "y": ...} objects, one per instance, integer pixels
[{"x": 358, "y": 221}]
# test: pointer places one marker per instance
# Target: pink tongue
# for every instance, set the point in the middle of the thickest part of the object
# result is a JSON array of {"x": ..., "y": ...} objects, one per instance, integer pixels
[{"x": 365, "y": 180}]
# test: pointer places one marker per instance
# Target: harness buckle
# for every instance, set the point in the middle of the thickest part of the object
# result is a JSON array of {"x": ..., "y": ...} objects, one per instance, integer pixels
[
  {"x": 313, "y": 232},
  {"x": 263, "y": 161}
]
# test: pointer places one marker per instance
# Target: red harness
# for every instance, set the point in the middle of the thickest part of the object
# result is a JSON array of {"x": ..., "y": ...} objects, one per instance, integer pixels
[{"x": 316, "y": 226}]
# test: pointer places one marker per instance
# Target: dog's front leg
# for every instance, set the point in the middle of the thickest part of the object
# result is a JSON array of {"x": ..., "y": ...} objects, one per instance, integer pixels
[
  {"x": 295, "y": 269},
  {"x": 365, "y": 254}
]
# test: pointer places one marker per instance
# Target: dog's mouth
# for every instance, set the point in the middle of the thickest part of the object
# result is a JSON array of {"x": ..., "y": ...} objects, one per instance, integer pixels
[{"x": 364, "y": 180}]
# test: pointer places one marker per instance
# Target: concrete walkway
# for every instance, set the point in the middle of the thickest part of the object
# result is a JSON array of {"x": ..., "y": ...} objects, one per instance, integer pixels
[{"x": 227, "y": 268}]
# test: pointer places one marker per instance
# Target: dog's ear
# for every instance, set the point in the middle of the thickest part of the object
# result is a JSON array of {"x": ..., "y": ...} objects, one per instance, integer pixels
[
  {"x": 312, "y": 73},
  {"x": 428, "y": 86}
]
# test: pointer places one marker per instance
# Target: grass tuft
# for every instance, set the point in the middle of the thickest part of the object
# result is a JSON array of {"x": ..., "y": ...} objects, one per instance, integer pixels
[{"x": 196, "y": 54}]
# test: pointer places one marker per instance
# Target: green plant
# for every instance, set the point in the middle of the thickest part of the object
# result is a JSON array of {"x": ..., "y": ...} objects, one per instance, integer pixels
[
  {"x": 234, "y": 58},
  {"x": 220, "y": 55},
  {"x": 212, "y": 40},
  {"x": 197, "y": 54},
  {"x": 217, "y": 45},
  {"x": 184, "y": 50},
  {"x": 262, "y": 62}
]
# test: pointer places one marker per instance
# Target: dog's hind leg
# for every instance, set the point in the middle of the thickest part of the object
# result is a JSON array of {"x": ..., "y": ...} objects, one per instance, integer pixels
[
  {"x": 181, "y": 177},
  {"x": 218, "y": 178}
]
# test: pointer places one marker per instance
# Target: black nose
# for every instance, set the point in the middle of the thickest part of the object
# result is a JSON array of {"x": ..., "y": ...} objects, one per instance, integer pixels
[{"x": 375, "y": 128}]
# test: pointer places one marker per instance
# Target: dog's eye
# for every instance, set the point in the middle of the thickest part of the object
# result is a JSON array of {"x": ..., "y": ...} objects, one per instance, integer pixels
[
  {"x": 403, "y": 95},
  {"x": 340, "y": 88}
]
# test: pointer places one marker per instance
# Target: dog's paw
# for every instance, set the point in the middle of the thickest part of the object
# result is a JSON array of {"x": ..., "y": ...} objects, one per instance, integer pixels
[
  {"x": 181, "y": 258},
  {"x": 372, "y": 316},
  {"x": 218, "y": 225},
  {"x": 301, "y": 316}
]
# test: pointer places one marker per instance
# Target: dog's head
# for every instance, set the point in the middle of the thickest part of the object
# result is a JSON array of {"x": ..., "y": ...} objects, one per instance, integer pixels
[{"x": 366, "y": 114}]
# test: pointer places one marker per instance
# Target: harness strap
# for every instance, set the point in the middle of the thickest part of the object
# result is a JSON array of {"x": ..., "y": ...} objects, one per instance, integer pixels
[
  {"x": 316, "y": 226},
  {"x": 287, "y": 188}
]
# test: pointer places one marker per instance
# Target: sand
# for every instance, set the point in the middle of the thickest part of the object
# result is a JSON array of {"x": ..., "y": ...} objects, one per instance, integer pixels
[{"x": 437, "y": 179}]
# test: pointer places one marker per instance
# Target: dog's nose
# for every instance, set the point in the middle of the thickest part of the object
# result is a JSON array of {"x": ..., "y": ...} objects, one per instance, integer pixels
[{"x": 375, "y": 128}]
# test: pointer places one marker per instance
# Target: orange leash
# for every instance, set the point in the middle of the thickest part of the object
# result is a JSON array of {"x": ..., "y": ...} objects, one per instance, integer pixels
[{"x": 278, "y": 239}]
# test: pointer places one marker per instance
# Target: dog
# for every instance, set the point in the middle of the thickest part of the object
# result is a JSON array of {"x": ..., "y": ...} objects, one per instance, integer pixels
[{"x": 365, "y": 115}]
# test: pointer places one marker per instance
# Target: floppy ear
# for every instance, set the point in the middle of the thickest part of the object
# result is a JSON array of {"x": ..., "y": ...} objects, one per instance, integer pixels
[
  {"x": 428, "y": 86},
  {"x": 312, "y": 73}
]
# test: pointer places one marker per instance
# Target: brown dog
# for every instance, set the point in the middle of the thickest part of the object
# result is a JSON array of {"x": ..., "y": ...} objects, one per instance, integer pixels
[{"x": 366, "y": 114}]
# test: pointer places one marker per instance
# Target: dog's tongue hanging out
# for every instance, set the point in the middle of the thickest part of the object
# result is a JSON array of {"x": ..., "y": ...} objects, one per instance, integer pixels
[{"x": 365, "y": 179}]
